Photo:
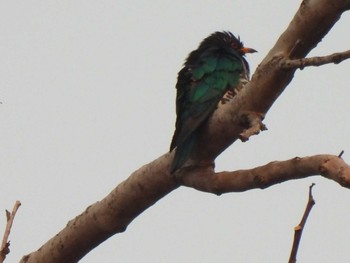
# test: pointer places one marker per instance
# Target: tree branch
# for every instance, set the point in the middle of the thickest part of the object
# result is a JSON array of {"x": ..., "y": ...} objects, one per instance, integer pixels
[
  {"x": 153, "y": 181},
  {"x": 329, "y": 166},
  {"x": 111, "y": 215},
  {"x": 301, "y": 63},
  {"x": 254, "y": 122},
  {"x": 298, "y": 230},
  {"x": 310, "y": 24},
  {"x": 5, "y": 245}
]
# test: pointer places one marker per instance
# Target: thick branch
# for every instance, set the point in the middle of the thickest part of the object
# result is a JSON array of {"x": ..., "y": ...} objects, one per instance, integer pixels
[
  {"x": 329, "y": 166},
  {"x": 109, "y": 216},
  {"x": 310, "y": 24},
  {"x": 151, "y": 182},
  {"x": 301, "y": 63}
]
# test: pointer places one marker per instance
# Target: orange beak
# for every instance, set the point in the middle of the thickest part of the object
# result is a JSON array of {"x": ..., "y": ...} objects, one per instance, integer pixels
[{"x": 245, "y": 50}]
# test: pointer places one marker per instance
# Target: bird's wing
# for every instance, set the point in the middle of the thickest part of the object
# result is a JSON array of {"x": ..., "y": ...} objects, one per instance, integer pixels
[{"x": 200, "y": 87}]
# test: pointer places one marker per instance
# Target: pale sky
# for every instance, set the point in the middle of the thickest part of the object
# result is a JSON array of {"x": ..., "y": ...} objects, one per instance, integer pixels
[{"x": 87, "y": 92}]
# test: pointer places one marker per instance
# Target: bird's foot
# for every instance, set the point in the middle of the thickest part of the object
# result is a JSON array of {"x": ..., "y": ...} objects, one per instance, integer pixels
[{"x": 229, "y": 95}]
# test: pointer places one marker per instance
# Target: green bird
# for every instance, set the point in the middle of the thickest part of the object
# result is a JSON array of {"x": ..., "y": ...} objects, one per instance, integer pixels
[{"x": 217, "y": 67}]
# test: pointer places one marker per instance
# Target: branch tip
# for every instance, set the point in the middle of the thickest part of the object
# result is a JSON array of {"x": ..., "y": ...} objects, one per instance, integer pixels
[
  {"x": 8, "y": 215},
  {"x": 298, "y": 230},
  {"x": 341, "y": 154},
  {"x": 310, "y": 187},
  {"x": 311, "y": 198}
]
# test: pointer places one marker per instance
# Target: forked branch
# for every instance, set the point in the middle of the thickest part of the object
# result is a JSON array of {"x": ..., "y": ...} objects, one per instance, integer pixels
[{"x": 151, "y": 182}]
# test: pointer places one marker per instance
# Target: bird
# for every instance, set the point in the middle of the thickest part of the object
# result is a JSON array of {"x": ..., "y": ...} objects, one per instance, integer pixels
[{"x": 217, "y": 67}]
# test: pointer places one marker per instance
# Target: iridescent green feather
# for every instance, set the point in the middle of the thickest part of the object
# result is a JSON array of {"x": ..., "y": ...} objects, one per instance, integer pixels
[{"x": 201, "y": 85}]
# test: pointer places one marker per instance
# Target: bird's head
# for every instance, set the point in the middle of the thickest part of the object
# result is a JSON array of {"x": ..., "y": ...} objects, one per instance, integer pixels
[{"x": 226, "y": 39}]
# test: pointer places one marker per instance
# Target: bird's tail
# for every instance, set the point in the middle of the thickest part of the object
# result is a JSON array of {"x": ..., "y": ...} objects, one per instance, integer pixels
[{"x": 182, "y": 153}]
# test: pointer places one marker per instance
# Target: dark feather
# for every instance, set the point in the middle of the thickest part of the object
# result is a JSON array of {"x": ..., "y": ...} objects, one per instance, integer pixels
[{"x": 215, "y": 67}]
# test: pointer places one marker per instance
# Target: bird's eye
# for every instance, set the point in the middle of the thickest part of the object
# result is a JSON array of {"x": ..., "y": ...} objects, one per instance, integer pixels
[{"x": 234, "y": 45}]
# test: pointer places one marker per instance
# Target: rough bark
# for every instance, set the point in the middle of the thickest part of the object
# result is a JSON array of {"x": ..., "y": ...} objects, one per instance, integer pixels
[
  {"x": 329, "y": 166},
  {"x": 230, "y": 122}
]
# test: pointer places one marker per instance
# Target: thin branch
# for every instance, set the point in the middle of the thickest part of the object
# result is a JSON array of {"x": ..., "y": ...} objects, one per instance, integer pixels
[
  {"x": 298, "y": 230},
  {"x": 301, "y": 63},
  {"x": 329, "y": 166},
  {"x": 341, "y": 154},
  {"x": 5, "y": 246}
]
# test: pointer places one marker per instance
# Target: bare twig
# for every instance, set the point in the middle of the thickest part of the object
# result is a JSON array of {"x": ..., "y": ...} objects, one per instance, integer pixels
[
  {"x": 5, "y": 243},
  {"x": 341, "y": 154},
  {"x": 298, "y": 230},
  {"x": 301, "y": 63}
]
